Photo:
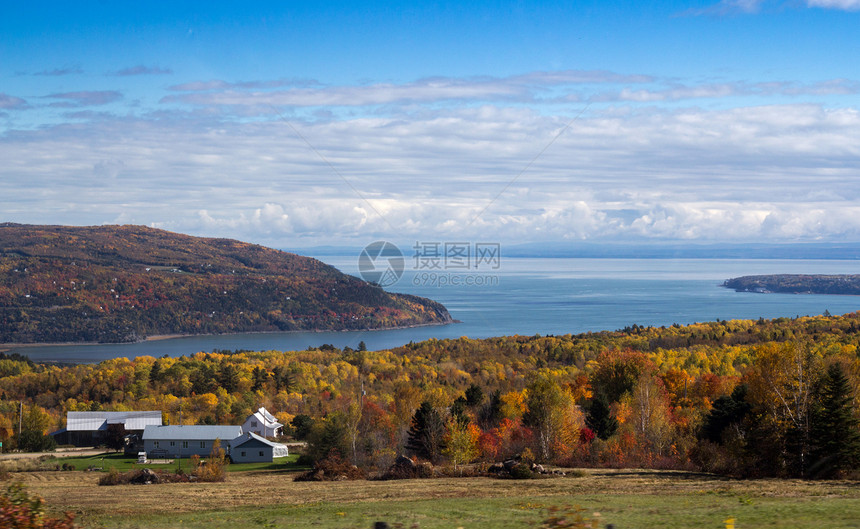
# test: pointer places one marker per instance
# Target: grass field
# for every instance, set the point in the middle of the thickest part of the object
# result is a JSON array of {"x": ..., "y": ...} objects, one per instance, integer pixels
[
  {"x": 627, "y": 499},
  {"x": 123, "y": 463}
]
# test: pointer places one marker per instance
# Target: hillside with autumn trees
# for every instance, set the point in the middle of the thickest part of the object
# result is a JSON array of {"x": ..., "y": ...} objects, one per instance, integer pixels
[
  {"x": 125, "y": 283},
  {"x": 742, "y": 397}
]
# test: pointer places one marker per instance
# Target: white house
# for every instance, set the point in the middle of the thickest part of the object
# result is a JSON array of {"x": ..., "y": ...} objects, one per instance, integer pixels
[
  {"x": 186, "y": 440},
  {"x": 251, "y": 448},
  {"x": 263, "y": 424}
]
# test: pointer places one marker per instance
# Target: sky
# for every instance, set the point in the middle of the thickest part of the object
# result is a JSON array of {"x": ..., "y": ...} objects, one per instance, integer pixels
[{"x": 301, "y": 124}]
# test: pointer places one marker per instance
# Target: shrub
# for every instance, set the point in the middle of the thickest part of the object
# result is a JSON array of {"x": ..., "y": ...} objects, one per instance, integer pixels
[
  {"x": 402, "y": 469},
  {"x": 521, "y": 471},
  {"x": 21, "y": 510},
  {"x": 113, "y": 477},
  {"x": 214, "y": 469},
  {"x": 332, "y": 468},
  {"x": 34, "y": 441},
  {"x": 569, "y": 518}
]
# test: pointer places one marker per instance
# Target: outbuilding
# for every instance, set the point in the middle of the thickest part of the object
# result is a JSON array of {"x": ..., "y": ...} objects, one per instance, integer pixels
[{"x": 251, "y": 448}]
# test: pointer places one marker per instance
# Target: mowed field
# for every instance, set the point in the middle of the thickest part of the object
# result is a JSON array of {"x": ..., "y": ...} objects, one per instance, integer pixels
[{"x": 627, "y": 499}]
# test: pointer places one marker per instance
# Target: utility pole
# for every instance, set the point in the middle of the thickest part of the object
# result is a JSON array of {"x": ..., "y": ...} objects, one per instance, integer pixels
[
  {"x": 179, "y": 459},
  {"x": 20, "y": 418}
]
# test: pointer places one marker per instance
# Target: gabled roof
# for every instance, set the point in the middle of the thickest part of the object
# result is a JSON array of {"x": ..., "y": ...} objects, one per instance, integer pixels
[
  {"x": 266, "y": 419},
  {"x": 266, "y": 415},
  {"x": 251, "y": 436},
  {"x": 196, "y": 432},
  {"x": 89, "y": 421}
]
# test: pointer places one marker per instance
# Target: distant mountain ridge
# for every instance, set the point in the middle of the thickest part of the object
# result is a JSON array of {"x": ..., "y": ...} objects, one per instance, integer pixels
[{"x": 126, "y": 283}]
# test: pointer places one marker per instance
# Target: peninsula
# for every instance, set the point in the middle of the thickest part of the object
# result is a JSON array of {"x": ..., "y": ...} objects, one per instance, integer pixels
[
  {"x": 114, "y": 284},
  {"x": 797, "y": 284}
]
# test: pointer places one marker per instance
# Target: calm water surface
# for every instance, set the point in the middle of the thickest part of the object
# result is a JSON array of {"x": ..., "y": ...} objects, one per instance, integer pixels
[{"x": 536, "y": 296}]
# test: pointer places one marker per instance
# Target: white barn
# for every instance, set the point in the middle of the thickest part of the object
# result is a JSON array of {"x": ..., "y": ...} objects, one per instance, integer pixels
[
  {"x": 263, "y": 424},
  {"x": 185, "y": 441}
]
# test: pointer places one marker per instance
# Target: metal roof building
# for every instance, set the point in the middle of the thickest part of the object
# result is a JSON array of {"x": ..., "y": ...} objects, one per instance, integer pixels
[
  {"x": 90, "y": 421},
  {"x": 185, "y": 441},
  {"x": 88, "y": 428},
  {"x": 196, "y": 432},
  {"x": 251, "y": 448}
]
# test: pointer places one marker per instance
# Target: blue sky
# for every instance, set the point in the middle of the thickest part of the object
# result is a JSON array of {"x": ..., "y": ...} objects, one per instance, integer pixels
[{"x": 301, "y": 124}]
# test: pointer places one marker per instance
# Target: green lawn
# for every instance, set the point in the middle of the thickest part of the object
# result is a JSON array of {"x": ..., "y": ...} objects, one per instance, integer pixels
[{"x": 123, "y": 463}]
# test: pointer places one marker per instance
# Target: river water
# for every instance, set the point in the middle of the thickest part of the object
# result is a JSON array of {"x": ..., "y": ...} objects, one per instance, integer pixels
[{"x": 530, "y": 296}]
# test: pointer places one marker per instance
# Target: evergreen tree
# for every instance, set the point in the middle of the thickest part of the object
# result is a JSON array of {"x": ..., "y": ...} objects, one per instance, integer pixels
[
  {"x": 115, "y": 436},
  {"x": 458, "y": 411},
  {"x": 474, "y": 395},
  {"x": 835, "y": 428},
  {"x": 427, "y": 432},
  {"x": 599, "y": 417},
  {"x": 491, "y": 413},
  {"x": 726, "y": 411},
  {"x": 259, "y": 376}
]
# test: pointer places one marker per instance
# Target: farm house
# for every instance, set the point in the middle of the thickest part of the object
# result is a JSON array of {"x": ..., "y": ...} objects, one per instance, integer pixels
[{"x": 186, "y": 440}]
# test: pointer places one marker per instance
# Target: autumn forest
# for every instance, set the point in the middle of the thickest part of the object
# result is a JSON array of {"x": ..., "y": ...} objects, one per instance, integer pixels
[{"x": 741, "y": 397}]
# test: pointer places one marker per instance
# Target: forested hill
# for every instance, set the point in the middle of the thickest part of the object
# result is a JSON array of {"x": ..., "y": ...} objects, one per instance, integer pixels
[
  {"x": 797, "y": 284},
  {"x": 124, "y": 283}
]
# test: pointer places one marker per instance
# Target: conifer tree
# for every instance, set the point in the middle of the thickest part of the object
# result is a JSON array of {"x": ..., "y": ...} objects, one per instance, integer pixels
[
  {"x": 835, "y": 428},
  {"x": 427, "y": 432},
  {"x": 599, "y": 417}
]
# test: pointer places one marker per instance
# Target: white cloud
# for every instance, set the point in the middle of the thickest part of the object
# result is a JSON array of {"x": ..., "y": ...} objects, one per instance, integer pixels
[
  {"x": 11, "y": 102},
  {"x": 847, "y": 5},
  {"x": 735, "y": 174},
  {"x": 727, "y": 7},
  {"x": 736, "y": 7},
  {"x": 84, "y": 98},
  {"x": 143, "y": 70},
  {"x": 447, "y": 157}
]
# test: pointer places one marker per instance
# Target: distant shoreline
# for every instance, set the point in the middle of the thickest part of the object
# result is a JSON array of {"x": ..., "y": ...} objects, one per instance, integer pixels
[
  {"x": 832, "y": 285},
  {"x": 6, "y": 347}
]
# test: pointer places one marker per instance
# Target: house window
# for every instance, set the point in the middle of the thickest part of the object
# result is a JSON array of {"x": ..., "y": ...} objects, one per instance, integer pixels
[
  {"x": 253, "y": 424},
  {"x": 172, "y": 443},
  {"x": 184, "y": 444},
  {"x": 155, "y": 444},
  {"x": 261, "y": 453},
  {"x": 202, "y": 444},
  {"x": 243, "y": 454}
]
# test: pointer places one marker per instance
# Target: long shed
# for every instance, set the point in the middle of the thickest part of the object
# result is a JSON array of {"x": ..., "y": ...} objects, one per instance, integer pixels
[
  {"x": 251, "y": 448},
  {"x": 185, "y": 441}
]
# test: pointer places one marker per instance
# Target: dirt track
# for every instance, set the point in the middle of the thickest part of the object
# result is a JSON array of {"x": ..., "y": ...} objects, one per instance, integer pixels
[{"x": 59, "y": 453}]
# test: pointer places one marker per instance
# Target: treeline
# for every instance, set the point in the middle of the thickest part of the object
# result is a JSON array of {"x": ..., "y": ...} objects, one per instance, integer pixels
[
  {"x": 742, "y": 397},
  {"x": 123, "y": 283}
]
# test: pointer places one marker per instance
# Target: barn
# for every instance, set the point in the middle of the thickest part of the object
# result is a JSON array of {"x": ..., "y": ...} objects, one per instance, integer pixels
[{"x": 89, "y": 428}]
